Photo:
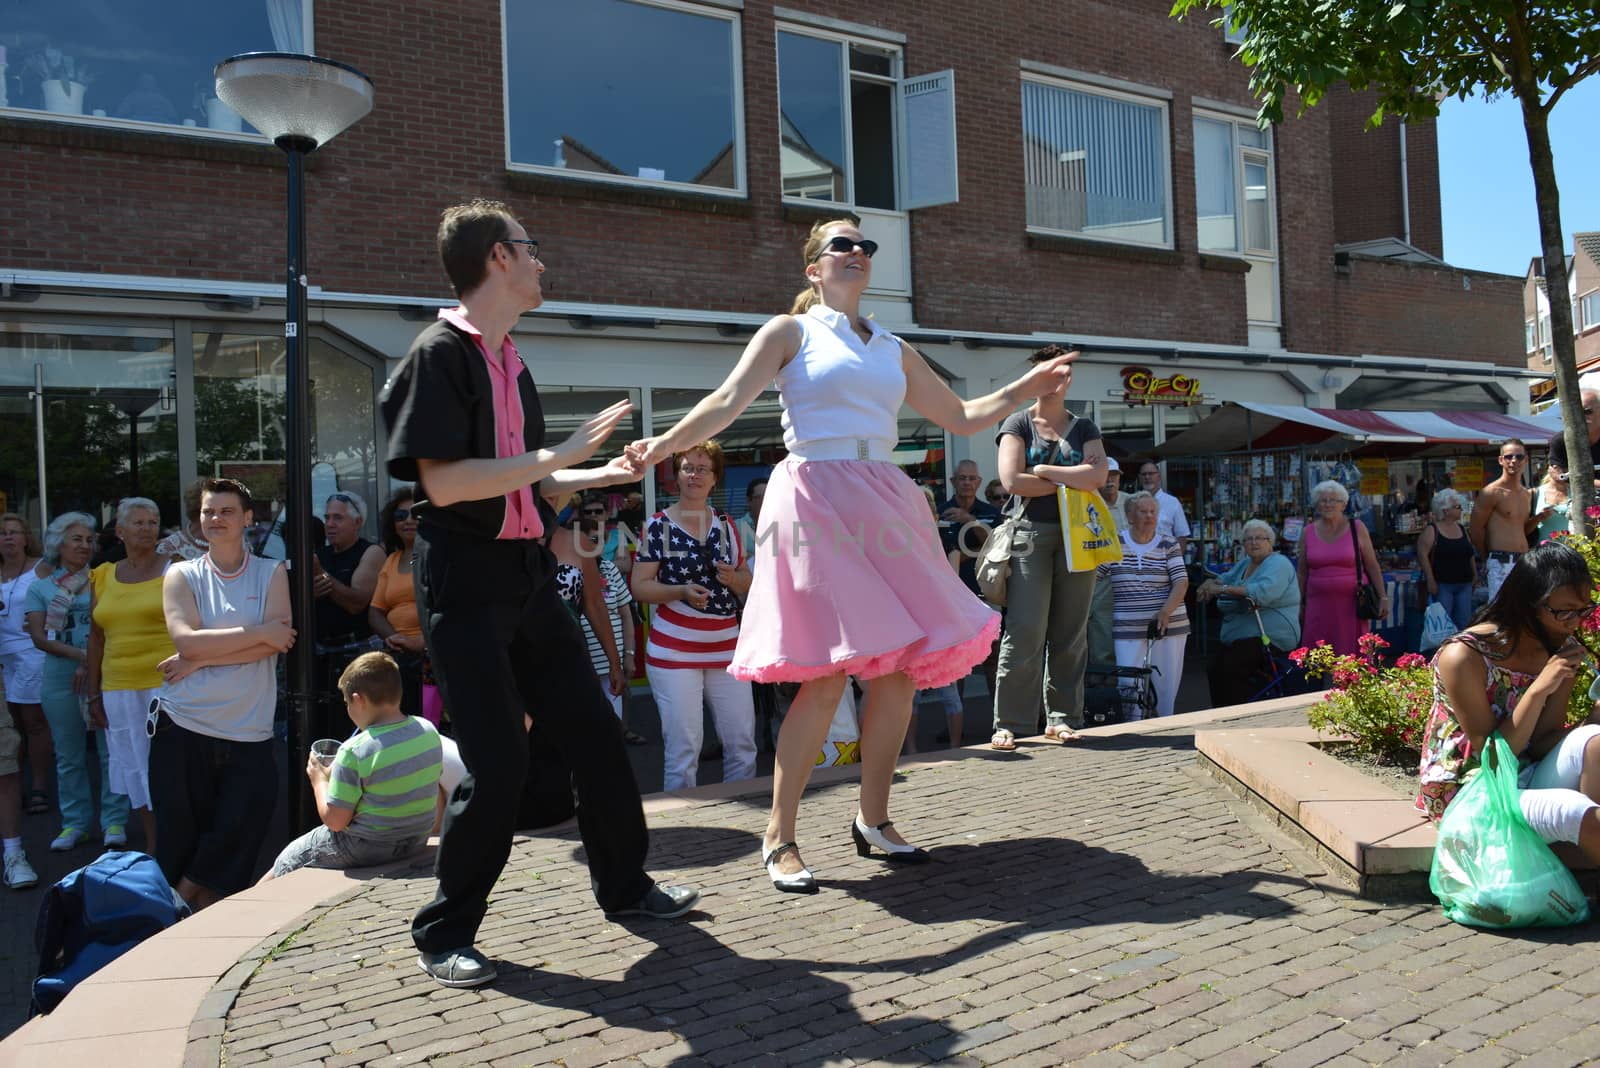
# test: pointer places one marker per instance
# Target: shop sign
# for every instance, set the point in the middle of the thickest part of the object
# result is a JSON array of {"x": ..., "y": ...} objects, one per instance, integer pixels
[
  {"x": 1140, "y": 385},
  {"x": 1468, "y": 474},
  {"x": 1374, "y": 477}
]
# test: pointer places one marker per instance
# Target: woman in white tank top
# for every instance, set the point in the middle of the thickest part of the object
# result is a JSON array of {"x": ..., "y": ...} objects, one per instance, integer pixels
[{"x": 851, "y": 578}]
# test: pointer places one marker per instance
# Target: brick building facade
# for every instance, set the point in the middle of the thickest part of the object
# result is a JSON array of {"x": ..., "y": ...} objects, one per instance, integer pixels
[{"x": 1113, "y": 192}]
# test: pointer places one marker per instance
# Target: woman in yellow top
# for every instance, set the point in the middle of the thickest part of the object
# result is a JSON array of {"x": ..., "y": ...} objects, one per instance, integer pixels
[{"x": 128, "y": 640}]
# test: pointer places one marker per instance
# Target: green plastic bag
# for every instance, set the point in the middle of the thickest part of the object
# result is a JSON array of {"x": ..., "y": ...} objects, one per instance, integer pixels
[{"x": 1490, "y": 869}]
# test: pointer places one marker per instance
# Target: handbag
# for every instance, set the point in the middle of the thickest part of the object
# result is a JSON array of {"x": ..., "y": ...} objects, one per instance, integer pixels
[
  {"x": 1369, "y": 602},
  {"x": 993, "y": 566},
  {"x": 1490, "y": 868}
]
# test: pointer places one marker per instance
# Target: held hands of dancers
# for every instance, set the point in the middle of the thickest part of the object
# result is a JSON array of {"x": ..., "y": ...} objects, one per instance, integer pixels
[{"x": 647, "y": 452}]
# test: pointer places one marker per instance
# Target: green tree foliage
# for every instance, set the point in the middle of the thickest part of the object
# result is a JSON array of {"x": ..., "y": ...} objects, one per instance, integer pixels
[{"x": 1413, "y": 54}]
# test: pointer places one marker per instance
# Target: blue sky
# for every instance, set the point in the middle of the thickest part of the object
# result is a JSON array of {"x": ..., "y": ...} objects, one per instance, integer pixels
[{"x": 1486, "y": 185}]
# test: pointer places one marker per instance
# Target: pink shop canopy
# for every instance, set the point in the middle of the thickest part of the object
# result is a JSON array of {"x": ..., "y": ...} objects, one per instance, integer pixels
[{"x": 1237, "y": 426}]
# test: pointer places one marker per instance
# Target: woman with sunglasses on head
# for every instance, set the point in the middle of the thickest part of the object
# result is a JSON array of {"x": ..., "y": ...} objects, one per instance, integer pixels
[
  {"x": 392, "y": 615},
  {"x": 853, "y": 580},
  {"x": 691, "y": 565},
  {"x": 1512, "y": 672}
]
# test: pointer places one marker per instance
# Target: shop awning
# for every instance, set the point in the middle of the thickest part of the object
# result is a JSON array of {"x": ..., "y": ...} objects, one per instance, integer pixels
[{"x": 1237, "y": 426}]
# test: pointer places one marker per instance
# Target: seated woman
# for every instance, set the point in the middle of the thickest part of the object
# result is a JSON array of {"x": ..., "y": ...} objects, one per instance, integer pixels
[
  {"x": 1513, "y": 673},
  {"x": 1261, "y": 584}
]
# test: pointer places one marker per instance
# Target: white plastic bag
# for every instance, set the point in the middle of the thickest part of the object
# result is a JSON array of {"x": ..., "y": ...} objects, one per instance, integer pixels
[
  {"x": 1437, "y": 626},
  {"x": 843, "y": 745}
]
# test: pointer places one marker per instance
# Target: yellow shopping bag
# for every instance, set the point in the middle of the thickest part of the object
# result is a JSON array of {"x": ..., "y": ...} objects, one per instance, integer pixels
[{"x": 1087, "y": 529}]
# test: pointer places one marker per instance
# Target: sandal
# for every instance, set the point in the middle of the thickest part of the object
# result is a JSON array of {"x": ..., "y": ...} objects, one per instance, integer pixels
[
  {"x": 38, "y": 802},
  {"x": 1003, "y": 740},
  {"x": 1061, "y": 733}
]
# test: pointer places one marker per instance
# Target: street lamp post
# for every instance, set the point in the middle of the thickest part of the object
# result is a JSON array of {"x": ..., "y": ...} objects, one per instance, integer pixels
[{"x": 301, "y": 102}]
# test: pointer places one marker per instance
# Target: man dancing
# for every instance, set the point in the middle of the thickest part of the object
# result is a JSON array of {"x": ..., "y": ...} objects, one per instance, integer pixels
[{"x": 465, "y": 424}]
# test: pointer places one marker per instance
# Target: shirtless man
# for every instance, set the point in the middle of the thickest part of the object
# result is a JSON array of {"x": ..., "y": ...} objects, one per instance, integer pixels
[{"x": 1500, "y": 516}]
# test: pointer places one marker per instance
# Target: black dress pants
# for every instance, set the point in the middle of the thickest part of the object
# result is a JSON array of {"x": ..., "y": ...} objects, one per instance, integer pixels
[
  {"x": 1235, "y": 672},
  {"x": 502, "y": 643}
]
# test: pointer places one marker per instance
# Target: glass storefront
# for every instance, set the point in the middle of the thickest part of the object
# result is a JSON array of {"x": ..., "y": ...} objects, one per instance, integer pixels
[{"x": 109, "y": 399}]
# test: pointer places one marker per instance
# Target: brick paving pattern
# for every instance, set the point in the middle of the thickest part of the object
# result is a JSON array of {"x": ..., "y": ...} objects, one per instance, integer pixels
[{"x": 1103, "y": 904}]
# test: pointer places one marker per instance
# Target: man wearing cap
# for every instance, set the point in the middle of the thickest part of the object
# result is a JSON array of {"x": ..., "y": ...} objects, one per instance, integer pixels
[{"x": 1101, "y": 651}]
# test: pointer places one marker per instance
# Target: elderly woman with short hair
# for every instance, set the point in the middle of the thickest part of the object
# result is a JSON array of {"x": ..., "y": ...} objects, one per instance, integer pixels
[
  {"x": 1260, "y": 586},
  {"x": 1449, "y": 562},
  {"x": 1148, "y": 586},
  {"x": 128, "y": 640},
  {"x": 58, "y": 622},
  {"x": 1326, "y": 570}
]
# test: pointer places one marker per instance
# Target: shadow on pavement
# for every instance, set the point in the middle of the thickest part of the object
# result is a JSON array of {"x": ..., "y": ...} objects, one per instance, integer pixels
[{"x": 772, "y": 1005}]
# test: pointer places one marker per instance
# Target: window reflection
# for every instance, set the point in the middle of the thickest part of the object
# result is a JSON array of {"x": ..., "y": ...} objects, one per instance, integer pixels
[
  {"x": 623, "y": 88},
  {"x": 138, "y": 62}
]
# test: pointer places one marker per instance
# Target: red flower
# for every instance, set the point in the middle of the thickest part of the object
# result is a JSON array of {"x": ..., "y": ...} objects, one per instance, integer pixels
[
  {"x": 1593, "y": 511},
  {"x": 1298, "y": 657},
  {"x": 1411, "y": 660}
]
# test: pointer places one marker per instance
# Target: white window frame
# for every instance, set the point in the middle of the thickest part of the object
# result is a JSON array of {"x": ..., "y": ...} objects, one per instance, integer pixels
[
  {"x": 894, "y": 81},
  {"x": 1588, "y": 306},
  {"x": 1242, "y": 154},
  {"x": 1152, "y": 101},
  {"x": 709, "y": 9},
  {"x": 1530, "y": 336},
  {"x": 206, "y": 133}
]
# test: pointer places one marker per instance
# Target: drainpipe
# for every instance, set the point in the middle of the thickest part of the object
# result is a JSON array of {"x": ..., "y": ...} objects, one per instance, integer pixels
[{"x": 1405, "y": 187}]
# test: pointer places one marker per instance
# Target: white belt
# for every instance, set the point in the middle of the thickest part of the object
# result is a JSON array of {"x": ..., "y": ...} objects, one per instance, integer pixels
[{"x": 843, "y": 449}]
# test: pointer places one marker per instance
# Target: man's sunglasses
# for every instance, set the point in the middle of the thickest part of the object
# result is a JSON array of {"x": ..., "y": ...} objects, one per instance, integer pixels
[
  {"x": 601, "y": 512},
  {"x": 841, "y": 243}
]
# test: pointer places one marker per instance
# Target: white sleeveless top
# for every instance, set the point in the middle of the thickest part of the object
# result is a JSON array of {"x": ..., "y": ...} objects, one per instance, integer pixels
[
  {"x": 235, "y": 701},
  {"x": 838, "y": 386}
]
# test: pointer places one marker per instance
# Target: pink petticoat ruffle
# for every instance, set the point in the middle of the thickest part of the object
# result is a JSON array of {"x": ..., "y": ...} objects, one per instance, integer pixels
[
  {"x": 849, "y": 577},
  {"x": 927, "y": 670}
]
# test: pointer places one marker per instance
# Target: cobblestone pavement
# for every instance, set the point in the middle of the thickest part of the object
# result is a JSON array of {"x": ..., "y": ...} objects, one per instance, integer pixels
[{"x": 1103, "y": 904}]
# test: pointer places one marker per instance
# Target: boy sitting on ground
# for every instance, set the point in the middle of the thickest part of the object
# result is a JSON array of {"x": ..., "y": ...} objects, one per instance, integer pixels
[{"x": 377, "y": 800}]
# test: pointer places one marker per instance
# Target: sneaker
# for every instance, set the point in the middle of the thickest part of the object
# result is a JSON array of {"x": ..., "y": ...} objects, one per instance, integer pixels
[
  {"x": 662, "y": 903},
  {"x": 116, "y": 836},
  {"x": 19, "y": 873},
  {"x": 69, "y": 838},
  {"x": 457, "y": 967}
]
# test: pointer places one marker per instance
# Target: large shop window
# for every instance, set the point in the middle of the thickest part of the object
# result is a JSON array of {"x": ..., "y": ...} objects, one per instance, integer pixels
[
  {"x": 632, "y": 91},
  {"x": 138, "y": 63},
  {"x": 1096, "y": 164},
  {"x": 1233, "y": 168},
  {"x": 239, "y": 418}
]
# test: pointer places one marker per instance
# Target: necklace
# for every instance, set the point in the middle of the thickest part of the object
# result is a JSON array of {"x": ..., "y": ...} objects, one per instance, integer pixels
[{"x": 226, "y": 576}]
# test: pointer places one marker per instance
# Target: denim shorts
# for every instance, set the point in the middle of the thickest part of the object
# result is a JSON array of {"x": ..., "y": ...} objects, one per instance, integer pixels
[{"x": 322, "y": 848}]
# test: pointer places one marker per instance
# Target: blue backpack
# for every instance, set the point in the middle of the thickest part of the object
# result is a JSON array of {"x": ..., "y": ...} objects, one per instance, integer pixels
[{"x": 96, "y": 914}]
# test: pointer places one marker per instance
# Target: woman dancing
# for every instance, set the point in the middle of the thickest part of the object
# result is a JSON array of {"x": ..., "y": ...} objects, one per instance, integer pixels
[{"x": 852, "y": 578}]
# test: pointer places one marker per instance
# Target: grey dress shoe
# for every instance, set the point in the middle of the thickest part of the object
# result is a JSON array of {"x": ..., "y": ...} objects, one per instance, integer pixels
[{"x": 662, "y": 902}]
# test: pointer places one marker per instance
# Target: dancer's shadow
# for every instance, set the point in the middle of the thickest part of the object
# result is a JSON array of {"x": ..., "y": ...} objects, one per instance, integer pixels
[
  {"x": 695, "y": 986},
  {"x": 708, "y": 995}
]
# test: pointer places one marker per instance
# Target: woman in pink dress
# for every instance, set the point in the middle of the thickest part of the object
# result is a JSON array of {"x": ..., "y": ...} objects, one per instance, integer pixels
[
  {"x": 1326, "y": 566},
  {"x": 851, "y": 578}
]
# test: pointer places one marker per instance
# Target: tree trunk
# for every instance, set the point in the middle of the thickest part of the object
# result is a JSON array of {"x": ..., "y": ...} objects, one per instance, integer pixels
[{"x": 1580, "y": 460}]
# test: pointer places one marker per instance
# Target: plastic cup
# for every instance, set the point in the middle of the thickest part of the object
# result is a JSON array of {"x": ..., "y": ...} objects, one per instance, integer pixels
[{"x": 324, "y": 749}]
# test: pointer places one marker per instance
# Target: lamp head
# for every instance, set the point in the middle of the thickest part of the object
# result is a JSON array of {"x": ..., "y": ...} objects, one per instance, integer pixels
[{"x": 300, "y": 102}]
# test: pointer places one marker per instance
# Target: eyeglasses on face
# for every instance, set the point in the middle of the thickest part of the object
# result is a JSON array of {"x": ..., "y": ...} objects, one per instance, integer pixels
[
  {"x": 997, "y": 496},
  {"x": 601, "y": 512},
  {"x": 530, "y": 243},
  {"x": 1567, "y": 615},
  {"x": 1519, "y": 457},
  {"x": 840, "y": 243},
  {"x": 696, "y": 469}
]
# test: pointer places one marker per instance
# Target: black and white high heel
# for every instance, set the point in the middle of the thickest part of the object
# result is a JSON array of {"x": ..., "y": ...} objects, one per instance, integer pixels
[
  {"x": 800, "y": 882},
  {"x": 867, "y": 837}
]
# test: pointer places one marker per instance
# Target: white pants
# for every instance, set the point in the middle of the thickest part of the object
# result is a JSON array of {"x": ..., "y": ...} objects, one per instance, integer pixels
[
  {"x": 680, "y": 694},
  {"x": 128, "y": 741},
  {"x": 1167, "y": 655},
  {"x": 1495, "y": 570},
  {"x": 1550, "y": 799}
]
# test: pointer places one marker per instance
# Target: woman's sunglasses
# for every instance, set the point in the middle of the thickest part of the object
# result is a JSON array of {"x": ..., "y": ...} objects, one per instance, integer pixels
[
  {"x": 841, "y": 243},
  {"x": 402, "y": 514}
]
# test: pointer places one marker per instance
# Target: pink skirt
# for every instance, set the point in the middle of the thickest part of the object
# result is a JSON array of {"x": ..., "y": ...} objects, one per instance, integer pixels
[{"x": 849, "y": 578}]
